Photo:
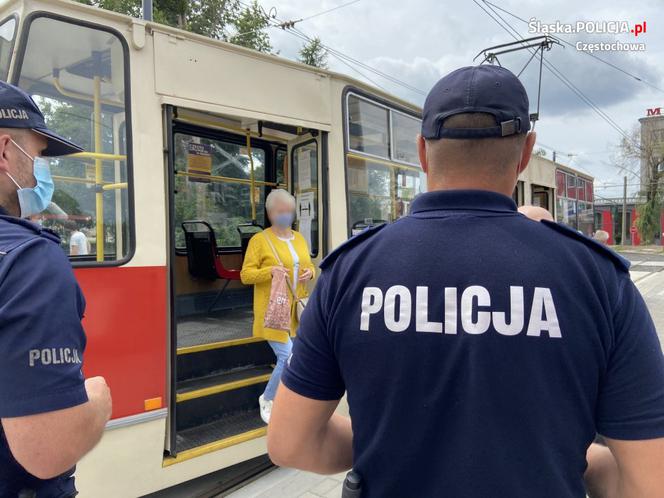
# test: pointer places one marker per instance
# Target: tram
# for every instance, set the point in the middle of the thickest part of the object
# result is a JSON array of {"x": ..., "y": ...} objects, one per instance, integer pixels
[{"x": 184, "y": 136}]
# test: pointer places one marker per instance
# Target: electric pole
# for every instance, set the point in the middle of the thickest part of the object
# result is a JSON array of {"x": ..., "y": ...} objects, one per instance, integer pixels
[
  {"x": 147, "y": 10},
  {"x": 623, "y": 240}
]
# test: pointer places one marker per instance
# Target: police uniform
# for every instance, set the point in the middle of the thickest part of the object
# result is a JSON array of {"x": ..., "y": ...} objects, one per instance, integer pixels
[
  {"x": 481, "y": 351},
  {"x": 41, "y": 307}
]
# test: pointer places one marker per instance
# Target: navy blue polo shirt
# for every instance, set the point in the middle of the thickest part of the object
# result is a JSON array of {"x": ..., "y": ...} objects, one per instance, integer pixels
[
  {"x": 481, "y": 351},
  {"x": 41, "y": 341}
]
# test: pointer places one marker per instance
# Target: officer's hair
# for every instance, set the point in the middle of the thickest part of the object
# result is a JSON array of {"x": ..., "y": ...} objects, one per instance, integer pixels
[
  {"x": 493, "y": 153},
  {"x": 279, "y": 195}
]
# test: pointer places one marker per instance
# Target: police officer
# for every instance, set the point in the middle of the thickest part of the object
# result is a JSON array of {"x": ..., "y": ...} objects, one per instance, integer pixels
[
  {"x": 51, "y": 416},
  {"x": 481, "y": 351}
]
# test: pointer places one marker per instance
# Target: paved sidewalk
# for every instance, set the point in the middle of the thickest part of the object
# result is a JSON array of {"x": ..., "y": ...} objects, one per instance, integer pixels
[{"x": 289, "y": 483}]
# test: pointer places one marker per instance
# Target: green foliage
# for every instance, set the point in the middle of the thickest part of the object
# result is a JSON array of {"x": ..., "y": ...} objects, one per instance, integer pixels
[
  {"x": 314, "y": 54},
  {"x": 648, "y": 222},
  {"x": 211, "y": 18},
  {"x": 251, "y": 26},
  {"x": 128, "y": 7}
]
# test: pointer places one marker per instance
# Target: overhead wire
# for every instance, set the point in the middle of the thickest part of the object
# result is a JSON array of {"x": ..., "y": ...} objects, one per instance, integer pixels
[
  {"x": 590, "y": 54},
  {"x": 288, "y": 27},
  {"x": 361, "y": 64},
  {"x": 557, "y": 73}
]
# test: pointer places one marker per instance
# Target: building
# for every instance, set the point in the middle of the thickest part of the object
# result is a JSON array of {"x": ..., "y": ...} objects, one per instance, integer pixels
[
  {"x": 652, "y": 143},
  {"x": 609, "y": 212}
]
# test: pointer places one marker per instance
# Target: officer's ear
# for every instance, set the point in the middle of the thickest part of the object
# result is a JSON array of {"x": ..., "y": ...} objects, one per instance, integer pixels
[
  {"x": 422, "y": 153},
  {"x": 4, "y": 144},
  {"x": 527, "y": 150}
]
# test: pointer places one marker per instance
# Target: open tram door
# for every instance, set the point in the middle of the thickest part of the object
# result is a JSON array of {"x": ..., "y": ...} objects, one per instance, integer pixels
[
  {"x": 221, "y": 169},
  {"x": 307, "y": 154}
]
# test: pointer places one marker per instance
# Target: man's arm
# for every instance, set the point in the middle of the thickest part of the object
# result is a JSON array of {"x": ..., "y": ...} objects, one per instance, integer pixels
[
  {"x": 306, "y": 434},
  {"x": 637, "y": 471},
  {"x": 601, "y": 475},
  {"x": 48, "y": 444},
  {"x": 630, "y": 406}
]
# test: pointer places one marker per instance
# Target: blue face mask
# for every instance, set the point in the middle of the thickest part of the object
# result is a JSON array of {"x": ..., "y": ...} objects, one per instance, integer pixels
[
  {"x": 284, "y": 220},
  {"x": 35, "y": 199}
]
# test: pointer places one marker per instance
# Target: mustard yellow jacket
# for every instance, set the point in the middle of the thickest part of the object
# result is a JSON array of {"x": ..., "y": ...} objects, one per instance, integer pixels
[{"x": 256, "y": 271}]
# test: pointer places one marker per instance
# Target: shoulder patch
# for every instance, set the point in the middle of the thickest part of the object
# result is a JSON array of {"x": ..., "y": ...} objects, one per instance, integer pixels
[
  {"x": 621, "y": 262},
  {"x": 352, "y": 242}
]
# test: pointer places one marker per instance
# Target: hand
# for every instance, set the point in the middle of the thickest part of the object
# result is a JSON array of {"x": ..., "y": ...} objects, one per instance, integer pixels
[
  {"x": 278, "y": 270},
  {"x": 306, "y": 275},
  {"x": 99, "y": 394}
]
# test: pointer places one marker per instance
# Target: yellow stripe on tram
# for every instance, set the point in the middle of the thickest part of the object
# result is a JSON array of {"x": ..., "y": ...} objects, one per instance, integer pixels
[
  {"x": 220, "y": 388},
  {"x": 217, "y": 345},
  {"x": 215, "y": 446}
]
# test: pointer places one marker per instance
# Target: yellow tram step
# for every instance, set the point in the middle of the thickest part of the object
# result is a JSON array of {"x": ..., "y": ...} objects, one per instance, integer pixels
[
  {"x": 209, "y": 390},
  {"x": 215, "y": 446},
  {"x": 218, "y": 345}
]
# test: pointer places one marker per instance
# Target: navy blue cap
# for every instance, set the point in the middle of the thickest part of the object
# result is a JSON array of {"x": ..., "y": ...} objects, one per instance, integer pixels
[
  {"x": 477, "y": 89},
  {"x": 18, "y": 110}
]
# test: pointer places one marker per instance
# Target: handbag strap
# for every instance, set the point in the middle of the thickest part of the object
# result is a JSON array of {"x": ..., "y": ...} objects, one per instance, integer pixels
[
  {"x": 274, "y": 250},
  {"x": 276, "y": 256}
]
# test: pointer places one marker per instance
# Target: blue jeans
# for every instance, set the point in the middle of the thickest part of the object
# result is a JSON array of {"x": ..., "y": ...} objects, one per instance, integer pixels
[{"x": 282, "y": 350}]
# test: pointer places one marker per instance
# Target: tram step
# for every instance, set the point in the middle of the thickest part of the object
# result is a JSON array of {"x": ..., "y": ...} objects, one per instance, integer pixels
[
  {"x": 218, "y": 383},
  {"x": 242, "y": 396},
  {"x": 210, "y": 359},
  {"x": 227, "y": 431}
]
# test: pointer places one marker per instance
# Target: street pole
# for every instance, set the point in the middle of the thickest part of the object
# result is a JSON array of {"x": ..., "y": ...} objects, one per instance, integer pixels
[
  {"x": 147, "y": 10},
  {"x": 623, "y": 239}
]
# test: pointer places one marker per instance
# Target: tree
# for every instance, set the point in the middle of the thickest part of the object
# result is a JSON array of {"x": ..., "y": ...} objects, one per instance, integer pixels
[
  {"x": 540, "y": 152},
  {"x": 211, "y": 18},
  {"x": 251, "y": 26},
  {"x": 314, "y": 53},
  {"x": 642, "y": 154}
]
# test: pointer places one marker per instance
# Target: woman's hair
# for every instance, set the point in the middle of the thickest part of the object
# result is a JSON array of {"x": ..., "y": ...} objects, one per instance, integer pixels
[{"x": 279, "y": 195}]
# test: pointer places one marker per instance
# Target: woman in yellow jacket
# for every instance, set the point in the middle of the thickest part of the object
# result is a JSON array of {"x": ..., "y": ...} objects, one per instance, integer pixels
[{"x": 260, "y": 264}]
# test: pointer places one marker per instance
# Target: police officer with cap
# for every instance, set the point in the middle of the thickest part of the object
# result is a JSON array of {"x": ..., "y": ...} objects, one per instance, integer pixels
[
  {"x": 50, "y": 415},
  {"x": 481, "y": 351}
]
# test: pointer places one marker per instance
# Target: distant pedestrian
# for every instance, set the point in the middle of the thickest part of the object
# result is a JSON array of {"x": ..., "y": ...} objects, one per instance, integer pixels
[
  {"x": 601, "y": 236},
  {"x": 78, "y": 241},
  {"x": 536, "y": 213}
]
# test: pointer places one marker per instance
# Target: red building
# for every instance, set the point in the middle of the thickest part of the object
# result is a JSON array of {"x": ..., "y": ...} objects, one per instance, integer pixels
[{"x": 608, "y": 217}]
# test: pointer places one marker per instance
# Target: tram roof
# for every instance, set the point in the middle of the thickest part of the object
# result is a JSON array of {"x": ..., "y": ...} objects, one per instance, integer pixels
[{"x": 64, "y": 6}]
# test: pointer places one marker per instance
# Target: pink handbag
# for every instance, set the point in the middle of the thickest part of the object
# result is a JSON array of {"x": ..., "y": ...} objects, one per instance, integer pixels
[{"x": 278, "y": 313}]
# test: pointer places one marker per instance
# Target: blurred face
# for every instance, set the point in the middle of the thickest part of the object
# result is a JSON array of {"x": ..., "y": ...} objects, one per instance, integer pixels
[{"x": 281, "y": 214}]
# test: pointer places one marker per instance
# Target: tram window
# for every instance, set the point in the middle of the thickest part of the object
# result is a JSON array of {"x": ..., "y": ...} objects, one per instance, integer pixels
[
  {"x": 281, "y": 159},
  {"x": 368, "y": 128},
  {"x": 76, "y": 74},
  {"x": 7, "y": 34},
  {"x": 379, "y": 193},
  {"x": 581, "y": 189},
  {"x": 586, "y": 218},
  {"x": 571, "y": 186},
  {"x": 561, "y": 184},
  {"x": 213, "y": 183},
  {"x": 404, "y": 133},
  {"x": 305, "y": 181}
]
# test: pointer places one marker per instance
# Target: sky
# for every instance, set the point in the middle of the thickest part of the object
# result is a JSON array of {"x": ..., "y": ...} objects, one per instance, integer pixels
[{"x": 419, "y": 41}]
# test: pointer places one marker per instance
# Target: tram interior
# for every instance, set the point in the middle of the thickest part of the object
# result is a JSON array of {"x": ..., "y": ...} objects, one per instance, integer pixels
[{"x": 223, "y": 170}]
